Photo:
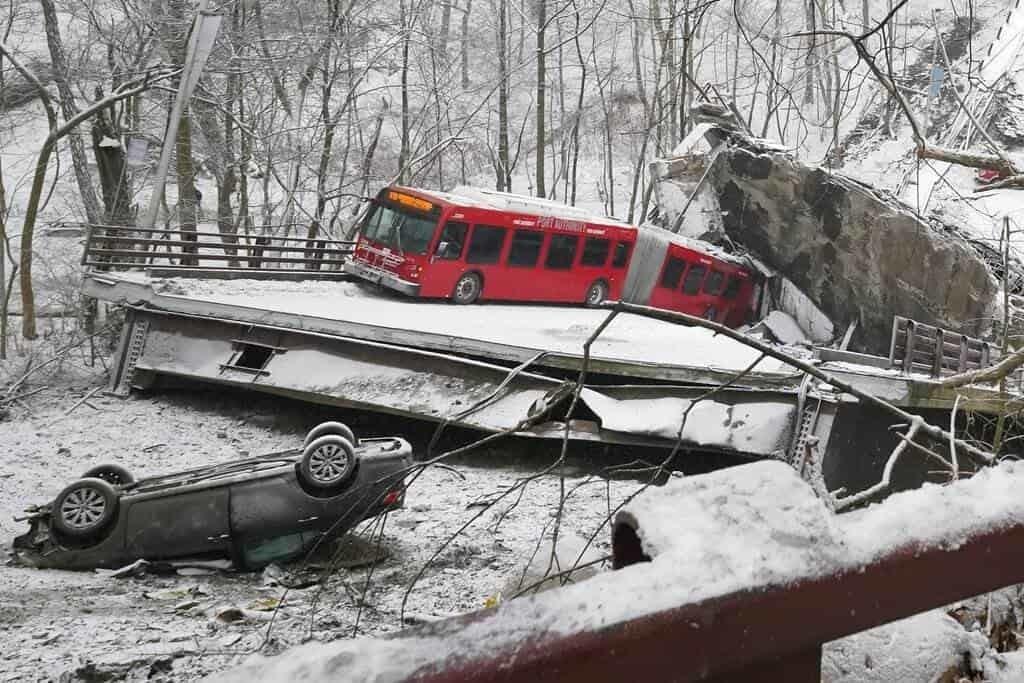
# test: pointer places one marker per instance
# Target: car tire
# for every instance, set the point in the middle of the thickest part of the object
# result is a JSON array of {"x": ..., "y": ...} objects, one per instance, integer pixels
[
  {"x": 597, "y": 293},
  {"x": 325, "y": 428},
  {"x": 84, "y": 509},
  {"x": 327, "y": 463},
  {"x": 115, "y": 475},
  {"x": 468, "y": 289}
]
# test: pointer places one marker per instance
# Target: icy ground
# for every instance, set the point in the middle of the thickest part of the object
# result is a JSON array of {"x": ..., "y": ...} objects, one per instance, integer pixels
[{"x": 83, "y": 626}]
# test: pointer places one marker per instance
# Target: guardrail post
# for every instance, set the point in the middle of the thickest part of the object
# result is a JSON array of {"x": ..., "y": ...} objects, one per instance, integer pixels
[
  {"x": 940, "y": 350},
  {"x": 908, "y": 349}
]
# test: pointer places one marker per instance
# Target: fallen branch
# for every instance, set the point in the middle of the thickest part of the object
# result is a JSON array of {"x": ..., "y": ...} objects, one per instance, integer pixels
[
  {"x": 882, "y": 486},
  {"x": 971, "y": 159},
  {"x": 82, "y": 400},
  {"x": 992, "y": 373}
]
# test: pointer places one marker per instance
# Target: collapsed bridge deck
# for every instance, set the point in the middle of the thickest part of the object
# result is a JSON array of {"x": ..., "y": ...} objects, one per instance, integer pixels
[{"x": 343, "y": 344}]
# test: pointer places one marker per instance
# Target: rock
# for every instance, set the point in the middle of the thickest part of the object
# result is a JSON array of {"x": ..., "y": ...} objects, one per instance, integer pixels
[
  {"x": 856, "y": 254},
  {"x": 924, "y": 647}
]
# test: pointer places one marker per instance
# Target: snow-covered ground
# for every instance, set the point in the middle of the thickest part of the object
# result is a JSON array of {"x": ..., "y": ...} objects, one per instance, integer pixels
[{"x": 57, "y": 622}]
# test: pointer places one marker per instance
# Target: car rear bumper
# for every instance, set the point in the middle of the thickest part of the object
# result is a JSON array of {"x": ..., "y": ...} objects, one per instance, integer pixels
[{"x": 381, "y": 277}]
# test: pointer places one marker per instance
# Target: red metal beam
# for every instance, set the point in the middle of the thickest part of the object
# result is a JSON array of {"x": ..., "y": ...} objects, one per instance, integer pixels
[{"x": 759, "y": 635}]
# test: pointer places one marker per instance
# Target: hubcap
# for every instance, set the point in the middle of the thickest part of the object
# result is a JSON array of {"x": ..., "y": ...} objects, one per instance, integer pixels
[
  {"x": 596, "y": 294},
  {"x": 83, "y": 508},
  {"x": 466, "y": 289},
  {"x": 328, "y": 463}
]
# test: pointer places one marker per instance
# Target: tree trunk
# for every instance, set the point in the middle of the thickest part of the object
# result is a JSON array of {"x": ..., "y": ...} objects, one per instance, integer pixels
[
  {"x": 442, "y": 37},
  {"x": 403, "y": 154},
  {"x": 465, "y": 44},
  {"x": 504, "y": 180},
  {"x": 579, "y": 109},
  {"x": 69, "y": 109},
  {"x": 186, "y": 188},
  {"x": 115, "y": 183},
  {"x": 542, "y": 19},
  {"x": 28, "y": 295},
  {"x": 3, "y": 258}
]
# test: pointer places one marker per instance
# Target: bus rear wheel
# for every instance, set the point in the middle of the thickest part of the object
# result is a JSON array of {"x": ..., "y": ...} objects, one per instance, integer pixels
[
  {"x": 596, "y": 293},
  {"x": 467, "y": 289}
]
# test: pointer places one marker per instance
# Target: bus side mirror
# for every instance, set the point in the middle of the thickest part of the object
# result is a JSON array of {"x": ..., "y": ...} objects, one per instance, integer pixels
[{"x": 442, "y": 250}]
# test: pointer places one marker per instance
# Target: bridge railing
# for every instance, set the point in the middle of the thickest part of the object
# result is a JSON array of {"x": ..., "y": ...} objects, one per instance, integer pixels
[
  {"x": 740, "y": 575},
  {"x": 199, "y": 252}
]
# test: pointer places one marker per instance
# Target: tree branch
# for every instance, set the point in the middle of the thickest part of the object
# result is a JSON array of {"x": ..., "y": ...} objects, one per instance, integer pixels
[{"x": 937, "y": 433}]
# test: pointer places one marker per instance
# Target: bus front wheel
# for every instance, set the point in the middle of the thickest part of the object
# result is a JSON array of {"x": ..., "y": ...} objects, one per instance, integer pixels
[
  {"x": 467, "y": 289},
  {"x": 596, "y": 293}
]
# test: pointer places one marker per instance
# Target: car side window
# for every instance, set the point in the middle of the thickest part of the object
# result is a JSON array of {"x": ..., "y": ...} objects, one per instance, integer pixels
[
  {"x": 453, "y": 238},
  {"x": 691, "y": 285},
  {"x": 485, "y": 244}
]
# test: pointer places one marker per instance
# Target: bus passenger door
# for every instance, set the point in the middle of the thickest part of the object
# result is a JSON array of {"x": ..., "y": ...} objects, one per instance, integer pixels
[{"x": 445, "y": 264}]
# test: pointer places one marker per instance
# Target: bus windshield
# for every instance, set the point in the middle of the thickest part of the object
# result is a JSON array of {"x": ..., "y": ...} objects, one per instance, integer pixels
[{"x": 399, "y": 230}]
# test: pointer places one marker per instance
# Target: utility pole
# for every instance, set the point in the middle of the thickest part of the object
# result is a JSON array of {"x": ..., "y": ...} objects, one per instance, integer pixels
[{"x": 200, "y": 44}]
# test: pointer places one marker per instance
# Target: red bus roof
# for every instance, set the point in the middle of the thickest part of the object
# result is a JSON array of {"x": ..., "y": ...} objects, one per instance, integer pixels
[
  {"x": 508, "y": 202},
  {"x": 473, "y": 197}
]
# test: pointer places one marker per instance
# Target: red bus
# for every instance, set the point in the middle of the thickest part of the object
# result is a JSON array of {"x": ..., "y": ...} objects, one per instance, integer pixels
[{"x": 473, "y": 244}]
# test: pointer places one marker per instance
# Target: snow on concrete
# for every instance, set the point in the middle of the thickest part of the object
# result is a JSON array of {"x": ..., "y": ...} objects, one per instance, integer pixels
[
  {"x": 762, "y": 427},
  {"x": 747, "y": 527},
  {"x": 920, "y": 648},
  {"x": 1007, "y": 667},
  {"x": 560, "y": 329},
  {"x": 784, "y": 328}
]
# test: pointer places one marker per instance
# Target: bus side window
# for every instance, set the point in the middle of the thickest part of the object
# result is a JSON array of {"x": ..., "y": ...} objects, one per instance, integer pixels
[
  {"x": 485, "y": 244},
  {"x": 673, "y": 273},
  {"x": 691, "y": 285},
  {"x": 561, "y": 252},
  {"x": 525, "y": 249},
  {"x": 733, "y": 288},
  {"x": 453, "y": 238},
  {"x": 621, "y": 254},
  {"x": 713, "y": 284},
  {"x": 595, "y": 252}
]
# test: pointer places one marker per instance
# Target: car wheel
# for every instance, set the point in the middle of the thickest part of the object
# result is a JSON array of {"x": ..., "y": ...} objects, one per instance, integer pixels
[
  {"x": 467, "y": 289},
  {"x": 327, "y": 462},
  {"x": 596, "y": 293},
  {"x": 84, "y": 508},
  {"x": 325, "y": 428},
  {"x": 112, "y": 474}
]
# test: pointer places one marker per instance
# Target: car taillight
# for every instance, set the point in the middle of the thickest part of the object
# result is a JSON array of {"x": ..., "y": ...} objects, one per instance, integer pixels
[{"x": 393, "y": 497}]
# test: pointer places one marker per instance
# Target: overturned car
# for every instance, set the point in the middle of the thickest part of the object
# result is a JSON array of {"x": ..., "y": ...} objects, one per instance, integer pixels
[{"x": 252, "y": 511}]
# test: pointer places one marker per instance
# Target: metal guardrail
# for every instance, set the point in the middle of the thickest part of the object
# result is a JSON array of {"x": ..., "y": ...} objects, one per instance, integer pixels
[
  {"x": 799, "y": 579},
  {"x": 187, "y": 252},
  {"x": 917, "y": 347},
  {"x": 933, "y": 351}
]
